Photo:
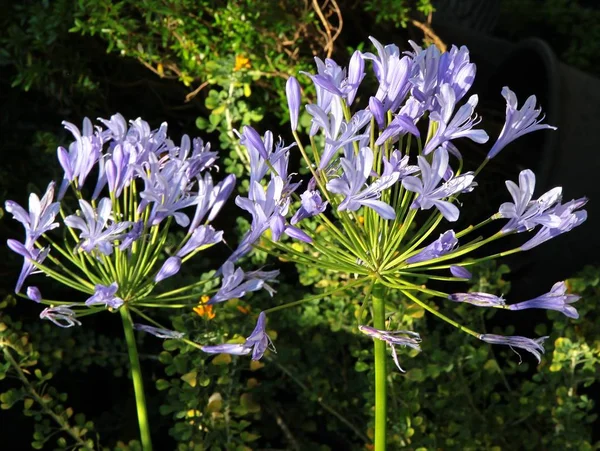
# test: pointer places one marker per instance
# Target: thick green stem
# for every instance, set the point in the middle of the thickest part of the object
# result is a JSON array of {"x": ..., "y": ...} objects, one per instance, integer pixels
[
  {"x": 380, "y": 368},
  {"x": 136, "y": 375}
]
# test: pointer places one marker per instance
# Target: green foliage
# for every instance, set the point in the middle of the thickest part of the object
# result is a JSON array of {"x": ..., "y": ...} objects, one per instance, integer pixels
[{"x": 398, "y": 12}]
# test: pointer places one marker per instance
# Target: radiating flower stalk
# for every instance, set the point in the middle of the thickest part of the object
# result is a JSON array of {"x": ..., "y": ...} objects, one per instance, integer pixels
[
  {"x": 113, "y": 248},
  {"x": 384, "y": 186}
]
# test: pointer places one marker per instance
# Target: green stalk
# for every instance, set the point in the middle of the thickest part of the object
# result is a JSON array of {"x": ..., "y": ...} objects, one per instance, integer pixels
[
  {"x": 138, "y": 383},
  {"x": 380, "y": 368}
]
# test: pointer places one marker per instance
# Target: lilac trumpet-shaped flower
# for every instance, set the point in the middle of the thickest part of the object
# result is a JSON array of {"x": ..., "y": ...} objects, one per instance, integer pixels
[
  {"x": 557, "y": 299},
  {"x": 202, "y": 237},
  {"x": 478, "y": 299},
  {"x": 432, "y": 195},
  {"x": 337, "y": 131},
  {"x": 352, "y": 185},
  {"x": 31, "y": 256},
  {"x": 257, "y": 343},
  {"x": 97, "y": 230},
  {"x": 293, "y": 94},
  {"x": 393, "y": 338},
  {"x": 41, "y": 215},
  {"x": 525, "y": 214},
  {"x": 233, "y": 284},
  {"x": 106, "y": 295},
  {"x": 570, "y": 217},
  {"x": 34, "y": 294},
  {"x": 535, "y": 346},
  {"x": 392, "y": 72},
  {"x": 518, "y": 122},
  {"x": 61, "y": 315},
  {"x": 134, "y": 234},
  {"x": 265, "y": 276},
  {"x": 376, "y": 109},
  {"x": 460, "y": 272},
  {"x": 399, "y": 164},
  {"x": 311, "y": 205},
  {"x": 460, "y": 126},
  {"x": 158, "y": 332},
  {"x": 82, "y": 155},
  {"x": 444, "y": 244}
]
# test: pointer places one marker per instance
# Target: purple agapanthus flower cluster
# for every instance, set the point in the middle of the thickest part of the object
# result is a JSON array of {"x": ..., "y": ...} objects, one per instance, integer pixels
[
  {"x": 385, "y": 159},
  {"x": 116, "y": 229}
]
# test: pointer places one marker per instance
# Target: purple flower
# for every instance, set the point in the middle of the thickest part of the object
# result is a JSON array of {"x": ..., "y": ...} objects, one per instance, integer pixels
[
  {"x": 444, "y": 244},
  {"x": 397, "y": 163},
  {"x": 460, "y": 126},
  {"x": 460, "y": 272},
  {"x": 265, "y": 276},
  {"x": 233, "y": 285},
  {"x": 106, "y": 295},
  {"x": 432, "y": 195},
  {"x": 61, "y": 315},
  {"x": 518, "y": 122},
  {"x": 170, "y": 267},
  {"x": 292, "y": 91},
  {"x": 158, "y": 332},
  {"x": 455, "y": 69},
  {"x": 478, "y": 299},
  {"x": 134, "y": 234},
  {"x": 210, "y": 199},
  {"x": 31, "y": 256},
  {"x": 82, "y": 155},
  {"x": 311, "y": 205},
  {"x": 393, "y": 338},
  {"x": 535, "y": 346},
  {"x": 392, "y": 72},
  {"x": 337, "y": 131},
  {"x": 569, "y": 219},
  {"x": 40, "y": 217},
  {"x": 525, "y": 214},
  {"x": 352, "y": 185},
  {"x": 34, "y": 294},
  {"x": 97, "y": 229},
  {"x": 400, "y": 125},
  {"x": 201, "y": 238},
  {"x": 376, "y": 109},
  {"x": 557, "y": 299},
  {"x": 258, "y": 342}
]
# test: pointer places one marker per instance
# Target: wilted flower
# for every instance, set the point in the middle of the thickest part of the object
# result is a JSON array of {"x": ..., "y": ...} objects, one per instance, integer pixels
[
  {"x": 159, "y": 332},
  {"x": 535, "y": 346},
  {"x": 393, "y": 338}
]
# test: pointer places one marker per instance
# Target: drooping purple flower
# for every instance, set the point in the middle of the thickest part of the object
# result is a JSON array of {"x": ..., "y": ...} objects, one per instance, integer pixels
[
  {"x": 557, "y": 299},
  {"x": 311, "y": 205},
  {"x": 352, "y": 185},
  {"x": 265, "y": 276},
  {"x": 61, "y": 315},
  {"x": 34, "y": 294},
  {"x": 258, "y": 342},
  {"x": 393, "y": 338},
  {"x": 30, "y": 255},
  {"x": 535, "y": 346},
  {"x": 158, "y": 332},
  {"x": 478, "y": 299},
  {"x": 570, "y": 217},
  {"x": 432, "y": 195},
  {"x": 292, "y": 91},
  {"x": 97, "y": 229},
  {"x": 41, "y": 215},
  {"x": 518, "y": 122},
  {"x": 444, "y": 244},
  {"x": 460, "y": 126},
  {"x": 170, "y": 267},
  {"x": 233, "y": 285},
  {"x": 525, "y": 214},
  {"x": 106, "y": 295},
  {"x": 460, "y": 272},
  {"x": 82, "y": 155},
  {"x": 399, "y": 126}
]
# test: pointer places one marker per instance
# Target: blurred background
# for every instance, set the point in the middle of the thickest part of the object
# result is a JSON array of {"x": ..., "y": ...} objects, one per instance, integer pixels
[{"x": 207, "y": 67}]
